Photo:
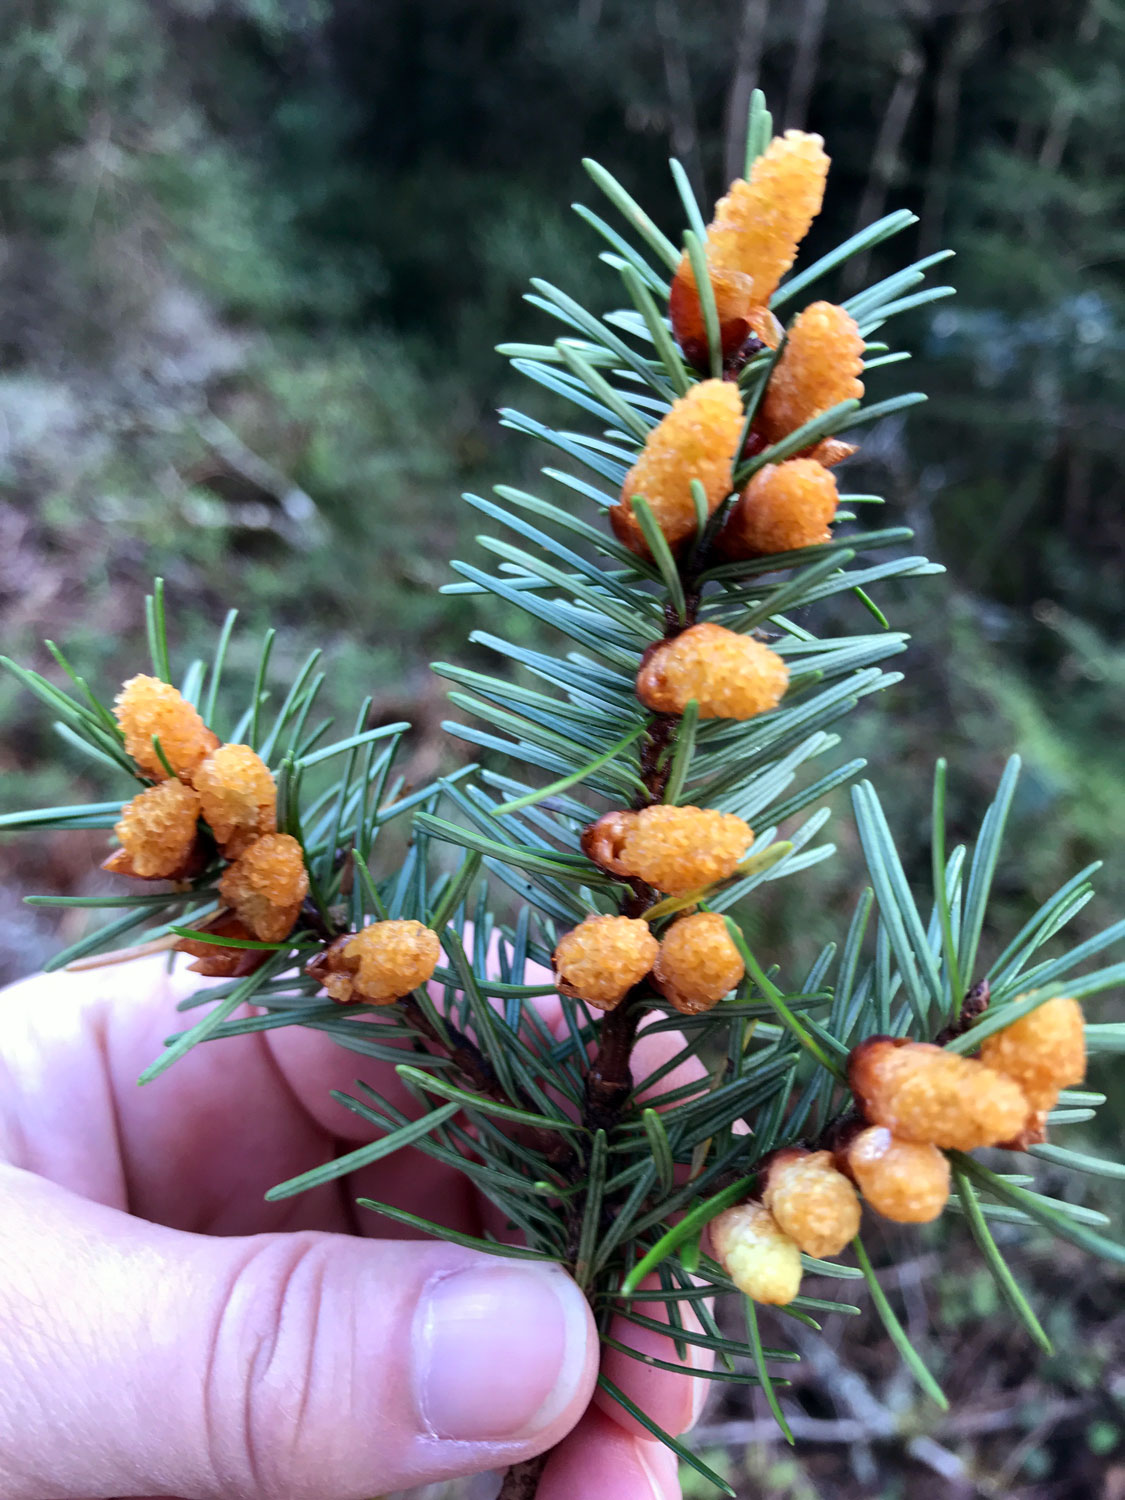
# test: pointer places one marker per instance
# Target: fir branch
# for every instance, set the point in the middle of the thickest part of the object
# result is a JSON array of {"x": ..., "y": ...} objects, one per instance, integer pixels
[{"x": 614, "y": 1176}]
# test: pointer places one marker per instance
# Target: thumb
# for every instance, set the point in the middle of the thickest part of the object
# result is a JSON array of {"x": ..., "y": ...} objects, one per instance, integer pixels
[{"x": 138, "y": 1360}]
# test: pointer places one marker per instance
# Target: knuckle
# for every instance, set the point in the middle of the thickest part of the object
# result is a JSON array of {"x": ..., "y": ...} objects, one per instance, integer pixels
[{"x": 267, "y": 1433}]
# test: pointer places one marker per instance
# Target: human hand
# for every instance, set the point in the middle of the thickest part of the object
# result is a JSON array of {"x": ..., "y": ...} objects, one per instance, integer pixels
[{"x": 166, "y": 1332}]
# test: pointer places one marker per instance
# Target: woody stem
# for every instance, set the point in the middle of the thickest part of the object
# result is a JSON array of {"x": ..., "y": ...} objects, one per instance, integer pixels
[{"x": 610, "y": 1080}]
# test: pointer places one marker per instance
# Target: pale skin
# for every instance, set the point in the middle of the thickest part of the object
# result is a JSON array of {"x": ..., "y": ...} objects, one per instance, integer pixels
[{"x": 165, "y": 1332}]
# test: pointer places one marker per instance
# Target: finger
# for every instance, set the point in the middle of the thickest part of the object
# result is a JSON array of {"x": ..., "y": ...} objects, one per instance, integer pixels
[
  {"x": 599, "y": 1458},
  {"x": 674, "y": 1402},
  {"x": 165, "y": 1151},
  {"x": 141, "y": 1361},
  {"x": 655, "y": 1069}
]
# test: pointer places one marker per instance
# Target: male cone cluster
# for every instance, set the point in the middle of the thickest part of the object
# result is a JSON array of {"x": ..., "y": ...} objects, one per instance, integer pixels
[
  {"x": 693, "y": 967},
  {"x": 147, "y": 710},
  {"x": 819, "y": 367},
  {"x": 784, "y": 507},
  {"x": 917, "y": 1101},
  {"x": 925, "y": 1094},
  {"x": 671, "y": 849},
  {"x": 730, "y": 676},
  {"x": 750, "y": 244},
  {"x": 905, "y": 1181},
  {"x": 264, "y": 882},
  {"x": 158, "y": 833},
  {"x": 807, "y": 1206},
  {"x": 684, "y": 473},
  {"x": 601, "y": 959},
  {"x": 1044, "y": 1053},
  {"x": 229, "y": 788},
  {"x": 698, "y": 439},
  {"x": 698, "y": 963}
]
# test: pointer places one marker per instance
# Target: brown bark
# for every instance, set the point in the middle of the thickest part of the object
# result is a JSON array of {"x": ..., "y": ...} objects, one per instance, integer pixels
[
  {"x": 747, "y": 64},
  {"x": 685, "y": 127},
  {"x": 803, "y": 75},
  {"x": 963, "y": 42},
  {"x": 885, "y": 157},
  {"x": 610, "y": 1079}
]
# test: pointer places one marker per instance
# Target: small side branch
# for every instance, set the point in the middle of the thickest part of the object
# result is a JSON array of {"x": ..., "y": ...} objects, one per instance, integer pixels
[{"x": 610, "y": 1079}]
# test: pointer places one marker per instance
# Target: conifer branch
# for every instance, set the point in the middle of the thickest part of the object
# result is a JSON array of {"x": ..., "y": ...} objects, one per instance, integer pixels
[{"x": 681, "y": 555}]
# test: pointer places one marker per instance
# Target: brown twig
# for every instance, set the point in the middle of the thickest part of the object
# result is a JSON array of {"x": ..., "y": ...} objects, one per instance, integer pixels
[
  {"x": 974, "y": 1004},
  {"x": 609, "y": 1081},
  {"x": 465, "y": 1055}
]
